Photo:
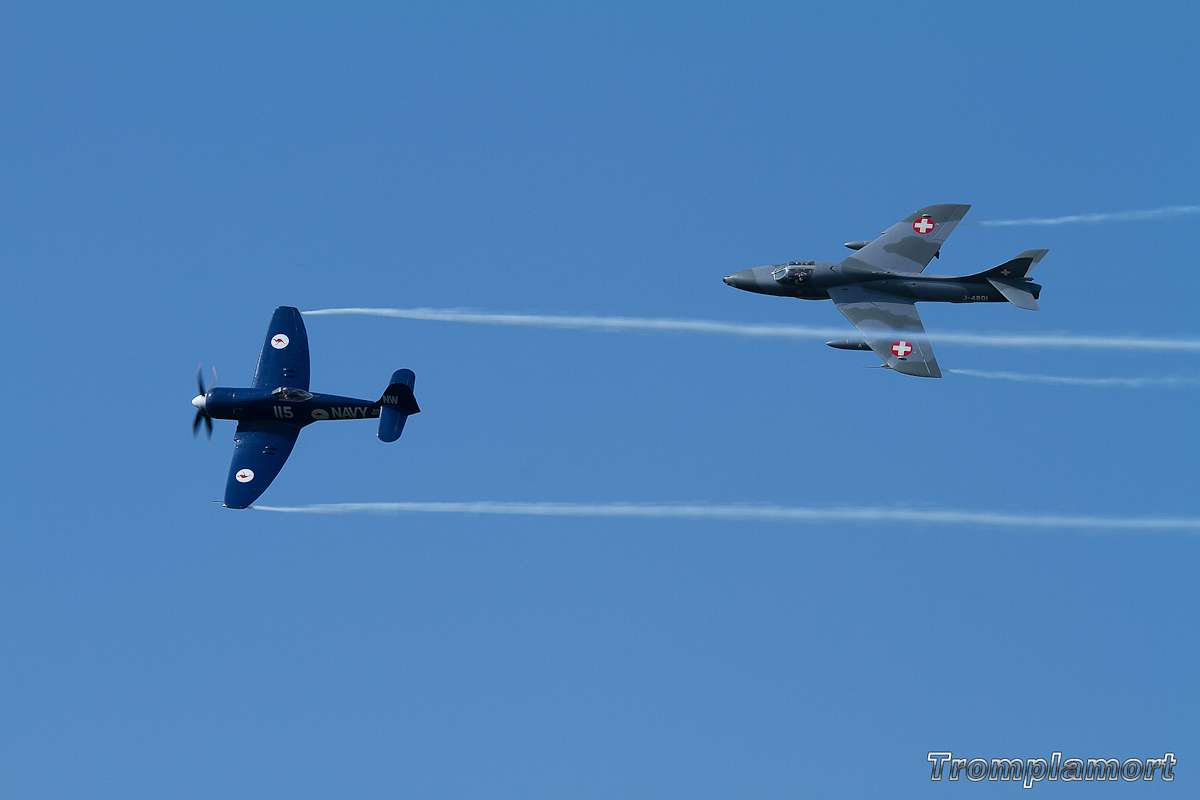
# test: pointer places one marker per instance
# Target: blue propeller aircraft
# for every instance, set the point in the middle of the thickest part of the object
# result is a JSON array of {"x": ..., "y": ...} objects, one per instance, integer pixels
[{"x": 278, "y": 404}]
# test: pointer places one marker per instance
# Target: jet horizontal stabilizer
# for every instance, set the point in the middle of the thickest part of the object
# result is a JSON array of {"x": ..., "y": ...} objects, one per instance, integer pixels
[{"x": 1015, "y": 292}]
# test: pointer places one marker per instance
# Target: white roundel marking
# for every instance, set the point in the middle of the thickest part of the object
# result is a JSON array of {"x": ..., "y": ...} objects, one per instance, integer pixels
[
  {"x": 901, "y": 348},
  {"x": 279, "y": 341},
  {"x": 924, "y": 225},
  {"x": 245, "y": 475},
  {"x": 320, "y": 413}
]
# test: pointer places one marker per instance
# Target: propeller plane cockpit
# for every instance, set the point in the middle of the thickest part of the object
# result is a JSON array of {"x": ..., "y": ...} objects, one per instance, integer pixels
[{"x": 278, "y": 404}]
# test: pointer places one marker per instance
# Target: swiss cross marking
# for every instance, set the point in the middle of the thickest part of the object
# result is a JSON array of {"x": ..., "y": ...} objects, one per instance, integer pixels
[
  {"x": 924, "y": 225},
  {"x": 279, "y": 341},
  {"x": 901, "y": 348},
  {"x": 1006, "y": 272},
  {"x": 245, "y": 475}
]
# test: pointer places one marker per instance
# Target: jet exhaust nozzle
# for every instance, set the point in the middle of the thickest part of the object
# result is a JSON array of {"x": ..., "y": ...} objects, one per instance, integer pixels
[{"x": 849, "y": 344}]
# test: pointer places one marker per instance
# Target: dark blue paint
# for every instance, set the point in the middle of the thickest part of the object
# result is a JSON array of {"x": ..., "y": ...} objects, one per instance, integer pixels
[
  {"x": 261, "y": 448},
  {"x": 271, "y": 413},
  {"x": 398, "y": 404},
  {"x": 286, "y": 365}
]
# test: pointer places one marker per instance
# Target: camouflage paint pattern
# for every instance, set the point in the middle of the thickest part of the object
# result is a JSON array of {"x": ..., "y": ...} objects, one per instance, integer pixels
[{"x": 878, "y": 287}]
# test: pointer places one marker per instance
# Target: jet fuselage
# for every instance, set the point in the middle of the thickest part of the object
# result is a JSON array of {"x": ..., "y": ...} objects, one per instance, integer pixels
[{"x": 811, "y": 280}]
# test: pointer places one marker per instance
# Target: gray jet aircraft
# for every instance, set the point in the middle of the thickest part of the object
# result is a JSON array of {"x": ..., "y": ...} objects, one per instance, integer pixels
[{"x": 878, "y": 287}]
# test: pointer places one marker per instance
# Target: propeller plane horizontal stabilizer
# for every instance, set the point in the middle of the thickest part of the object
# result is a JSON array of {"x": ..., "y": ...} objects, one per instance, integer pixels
[{"x": 277, "y": 405}]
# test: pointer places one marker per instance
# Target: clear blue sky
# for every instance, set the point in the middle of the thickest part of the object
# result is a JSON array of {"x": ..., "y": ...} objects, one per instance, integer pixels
[{"x": 172, "y": 174}]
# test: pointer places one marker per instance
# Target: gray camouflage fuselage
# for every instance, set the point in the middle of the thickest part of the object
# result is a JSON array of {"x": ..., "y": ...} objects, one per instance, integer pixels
[{"x": 824, "y": 275}]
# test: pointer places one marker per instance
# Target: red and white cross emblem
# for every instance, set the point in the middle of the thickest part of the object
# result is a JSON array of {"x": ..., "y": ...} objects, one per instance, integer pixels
[
  {"x": 1006, "y": 272},
  {"x": 901, "y": 348},
  {"x": 924, "y": 225}
]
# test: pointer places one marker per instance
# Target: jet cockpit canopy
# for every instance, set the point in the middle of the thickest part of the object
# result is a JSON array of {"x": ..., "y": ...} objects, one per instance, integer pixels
[{"x": 793, "y": 273}]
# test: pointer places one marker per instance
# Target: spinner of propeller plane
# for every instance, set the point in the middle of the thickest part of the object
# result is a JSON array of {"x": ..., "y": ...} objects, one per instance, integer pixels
[
  {"x": 878, "y": 287},
  {"x": 271, "y": 412}
]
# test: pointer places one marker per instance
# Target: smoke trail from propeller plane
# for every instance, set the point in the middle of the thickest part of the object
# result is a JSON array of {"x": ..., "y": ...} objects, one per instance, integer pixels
[
  {"x": 589, "y": 323},
  {"x": 757, "y": 330},
  {"x": 1120, "y": 216},
  {"x": 753, "y": 513}
]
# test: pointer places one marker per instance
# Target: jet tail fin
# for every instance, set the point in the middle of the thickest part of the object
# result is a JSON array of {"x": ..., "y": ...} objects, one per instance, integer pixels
[
  {"x": 1034, "y": 257},
  {"x": 396, "y": 404},
  {"x": 1018, "y": 267}
]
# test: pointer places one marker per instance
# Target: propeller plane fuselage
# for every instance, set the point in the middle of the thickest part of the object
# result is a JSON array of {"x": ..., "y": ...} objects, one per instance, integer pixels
[
  {"x": 878, "y": 287},
  {"x": 271, "y": 412},
  {"x": 294, "y": 406}
]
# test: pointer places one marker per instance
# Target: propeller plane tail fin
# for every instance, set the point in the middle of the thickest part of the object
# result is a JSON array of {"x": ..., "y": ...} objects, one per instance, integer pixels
[{"x": 397, "y": 404}]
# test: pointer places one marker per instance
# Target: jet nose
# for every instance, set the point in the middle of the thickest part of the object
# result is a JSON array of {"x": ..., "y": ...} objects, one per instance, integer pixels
[
  {"x": 742, "y": 280},
  {"x": 198, "y": 401}
]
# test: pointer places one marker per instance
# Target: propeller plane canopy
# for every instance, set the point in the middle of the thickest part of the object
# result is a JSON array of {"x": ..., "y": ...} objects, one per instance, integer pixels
[
  {"x": 878, "y": 287},
  {"x": 271, "y": 412}
]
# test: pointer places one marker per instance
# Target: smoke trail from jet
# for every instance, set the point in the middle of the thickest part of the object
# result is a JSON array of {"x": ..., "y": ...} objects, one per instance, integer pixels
[
  {"x": 769, "y": 331},
  {"x": 1120, "y": 216},
  {"x": 752, "y": 513},
  {"x": 1059, "y": 380}
]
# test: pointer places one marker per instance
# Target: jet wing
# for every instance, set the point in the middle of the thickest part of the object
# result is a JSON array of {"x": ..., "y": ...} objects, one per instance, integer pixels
[
  {"x": 284, "y": 357},
  {"x": 260, "y": 448},
  {"x": 892, "y": 328},
  {"x": 909, "y": 245}
]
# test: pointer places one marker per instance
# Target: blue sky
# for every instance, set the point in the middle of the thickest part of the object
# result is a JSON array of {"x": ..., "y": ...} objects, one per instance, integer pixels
[{"x": 172, "y": 174}]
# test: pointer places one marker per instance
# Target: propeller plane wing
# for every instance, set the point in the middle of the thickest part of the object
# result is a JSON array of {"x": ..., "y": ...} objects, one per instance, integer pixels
[{"x": 284, "y": 357}]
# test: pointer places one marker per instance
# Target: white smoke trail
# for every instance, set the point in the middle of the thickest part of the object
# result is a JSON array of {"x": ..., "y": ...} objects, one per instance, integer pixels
[
  {"x": 1059, "y": 380},
  {"x": 751, "y": 513},
  {"x": 591, "y": 323},
  {"x": 1120, "y": 216},
  {"x": 748, "y": 329}
]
